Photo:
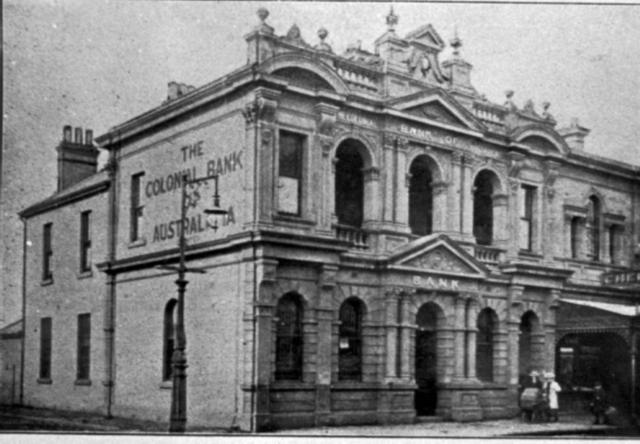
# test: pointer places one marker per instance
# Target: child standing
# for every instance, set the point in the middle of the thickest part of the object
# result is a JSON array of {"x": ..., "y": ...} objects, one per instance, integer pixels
[{"x": 550, "y": 390}]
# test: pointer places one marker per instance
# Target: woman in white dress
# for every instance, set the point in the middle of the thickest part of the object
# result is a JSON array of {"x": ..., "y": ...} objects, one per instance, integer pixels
[{"x": 550, "y": 390}]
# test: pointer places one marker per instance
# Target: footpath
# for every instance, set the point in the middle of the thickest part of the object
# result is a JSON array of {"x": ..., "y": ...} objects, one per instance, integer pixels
[{"x": 26, "y": 419}]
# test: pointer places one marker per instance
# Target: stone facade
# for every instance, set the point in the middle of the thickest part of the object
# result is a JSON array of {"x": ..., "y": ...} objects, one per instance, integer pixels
[{"x": 380, "y": 183}]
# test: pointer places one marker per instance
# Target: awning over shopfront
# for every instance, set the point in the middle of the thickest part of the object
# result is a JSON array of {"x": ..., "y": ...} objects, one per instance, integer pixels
[{"x": 619, "y": 309}]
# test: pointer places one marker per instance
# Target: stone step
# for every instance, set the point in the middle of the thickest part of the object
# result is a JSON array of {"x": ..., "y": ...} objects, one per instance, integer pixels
[{"x": 428, "y": 419}]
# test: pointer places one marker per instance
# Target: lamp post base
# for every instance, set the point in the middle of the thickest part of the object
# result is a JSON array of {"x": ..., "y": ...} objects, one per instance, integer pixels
[{"x": 178, "y": 418}]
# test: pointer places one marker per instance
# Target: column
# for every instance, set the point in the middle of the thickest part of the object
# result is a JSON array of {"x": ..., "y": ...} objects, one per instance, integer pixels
[
  {"x": 406, "y": 327},
  {"x": 500, "y": 215},
  {"x": 402, "y": 190},
  {"x": 440, "y": 206},
  {"x": 391, "y": 327},
  {"x": 513, "y": 218},
  {"x": 327, "y": 206},
  {"x": 466, "y": 196},
  {"x": 459, "y": 333},
  {"x": 553, "y": 303},
  {"x": 389, "y": 178},
  {"x": 455, "y": 195},
  {"x": 472, "y": 333},
  {"x": 265, "y": 112},
  {"x": 605, "y": 242},
  {"x": 324, "y": 315},
  {"x": 372, "y": 196},
  {"x": 514, "y": 300}
]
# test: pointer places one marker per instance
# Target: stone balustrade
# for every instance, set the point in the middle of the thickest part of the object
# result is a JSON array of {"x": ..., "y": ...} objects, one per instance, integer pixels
[{"x": 356, "y": 237}]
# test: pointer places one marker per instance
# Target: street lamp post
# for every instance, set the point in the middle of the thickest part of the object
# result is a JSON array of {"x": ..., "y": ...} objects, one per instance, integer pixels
[{"x": 178, "y": 417}]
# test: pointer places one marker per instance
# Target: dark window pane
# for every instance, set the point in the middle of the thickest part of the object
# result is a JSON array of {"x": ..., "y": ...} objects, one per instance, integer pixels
[
  {"x": 350, "y": 340},
  {"x": 483, "y": 208},
  {"x": 291, "y": 155},
  {"x": 484, "y": 346},
  {"x": 84, "y": 346},
  {"x": 289, "y": 338},
  {"x": 45, "y": 348},
  {"x": 420, "y": 197},
  {"x": 349, "y": 184}
]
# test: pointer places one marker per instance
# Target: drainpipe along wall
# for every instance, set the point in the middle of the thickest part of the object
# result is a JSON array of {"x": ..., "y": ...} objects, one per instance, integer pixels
[{"x": 110, "y": 293}]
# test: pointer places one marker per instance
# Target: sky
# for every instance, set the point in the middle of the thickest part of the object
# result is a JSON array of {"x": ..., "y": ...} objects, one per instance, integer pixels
[{"x": 98, "y": 63}]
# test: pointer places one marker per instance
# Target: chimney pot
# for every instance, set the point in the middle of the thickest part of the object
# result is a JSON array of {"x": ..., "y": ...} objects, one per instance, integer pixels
[
  {"x": 66, "y": 133},
  {"x": 78, "y": 135},
  {"x": 88, "y": 137}
]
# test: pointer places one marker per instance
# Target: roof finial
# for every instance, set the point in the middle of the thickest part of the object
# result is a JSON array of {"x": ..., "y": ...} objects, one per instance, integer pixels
[
  {"x": 323, "y": 46},
  {"x": 263, "y": 13},
  {"x": 392, "y": 20},
  {"x": 455, "y": 42}
]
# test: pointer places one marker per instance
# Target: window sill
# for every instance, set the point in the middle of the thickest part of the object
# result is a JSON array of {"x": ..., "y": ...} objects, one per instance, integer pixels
[
  {"x": 591, "y": 263},
  {"x": 82, "y": 382},
  {"x": 531, "y": 254},
  {"x": 47, "y": 281},
  {"x": 292, "y": 218},
  {"x": 44, "y": 380},
  {"x": 166, "y": 385},
  {"x": 292, "y": 385},
  {"x": 85, "y": 274},
  {"x": 137, "y": 243}
]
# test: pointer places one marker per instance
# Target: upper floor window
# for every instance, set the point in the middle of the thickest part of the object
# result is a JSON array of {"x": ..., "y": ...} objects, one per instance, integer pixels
[
  {"x": 350, "y": 340},
  {"x": 487, "y": 321},
  {"x": 484, "y": 187},
  {"x": 421, "y": 197},
  {"x": 85, "y": 241},
  {"x": 575, "y": 237},
  {"x": 170, "y": 340},
  {"x": 45, "y": 348},
  {"x": 526, "y": 197},
  {"x": 289, "y": 337},
  {"x": 593, "y": 227},
  {"x": 84, "y": 347},
  {"x": 136, "y": 207},
  {"x": 349, "y": 182},
  {"x": 47, "y": 251},
  {"x": 290, "y": 177}
]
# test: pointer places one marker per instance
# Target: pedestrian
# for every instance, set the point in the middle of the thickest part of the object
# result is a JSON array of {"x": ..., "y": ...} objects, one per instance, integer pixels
[
  {"x": 599, "y": 404},
  {"x": 550, "y": 391},
  {"x": 530, "y": 395}
]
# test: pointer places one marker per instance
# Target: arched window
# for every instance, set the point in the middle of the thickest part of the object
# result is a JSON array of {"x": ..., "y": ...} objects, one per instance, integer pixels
[
  {"x": 487, "y": 321},
  {"x": 483, "y": 207},
  {"x": 350, "y": 340},
  {"x": 349, "y": 181},
  {"x": 289, "y": 337},
  {"x": 593, "y": 227},
  {"x": 169, "y": 338},
  {"x": 528, "y": 354},
  {"x": 420, "y": 197}
]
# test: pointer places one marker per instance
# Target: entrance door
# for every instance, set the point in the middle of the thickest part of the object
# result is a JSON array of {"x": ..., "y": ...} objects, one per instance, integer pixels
[{"x": 426, "y": 360}]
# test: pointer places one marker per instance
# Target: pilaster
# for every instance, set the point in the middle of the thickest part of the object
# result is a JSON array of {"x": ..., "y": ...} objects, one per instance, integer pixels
[
  {"x": 454, "y": 222},
  {"x": 466, "y": 197},
  {"x": 440, "y": 190},
  {"x": 459, "y": 336},
  {"x": 513, "y": 331},
  {"x": 402, "y": 191}
]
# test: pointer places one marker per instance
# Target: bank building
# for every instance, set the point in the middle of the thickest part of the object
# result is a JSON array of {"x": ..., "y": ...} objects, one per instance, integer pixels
[{"x": 393, "y": 246}]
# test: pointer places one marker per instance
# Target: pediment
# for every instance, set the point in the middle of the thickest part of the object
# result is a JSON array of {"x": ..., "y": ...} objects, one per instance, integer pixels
[
  {"x": 438, "y": 106},
  {"x": 426, "y": 35},
  {"x": 436, "y": 111},
  {"x": 437, "y": 254}
]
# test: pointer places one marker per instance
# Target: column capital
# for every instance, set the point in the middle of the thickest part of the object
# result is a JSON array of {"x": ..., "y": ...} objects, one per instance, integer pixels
[
  {"x": 439, "y": 187},
  {"x": 371, "y": 173}
]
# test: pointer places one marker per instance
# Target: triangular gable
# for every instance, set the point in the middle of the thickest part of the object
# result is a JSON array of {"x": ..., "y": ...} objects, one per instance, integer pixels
[
  {"x": 436, "y": 254},
  {"x": 427, "y": 36},
  {"x": 439, "y": 106}
]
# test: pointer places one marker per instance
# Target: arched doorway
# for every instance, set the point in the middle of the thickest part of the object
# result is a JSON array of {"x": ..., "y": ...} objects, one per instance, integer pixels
[
  {"x": 421, "y": 196},
  {"x": 529, "y": 344},
  {"x": 349, "y": 183},
  {"x": 426, "y": 359}
]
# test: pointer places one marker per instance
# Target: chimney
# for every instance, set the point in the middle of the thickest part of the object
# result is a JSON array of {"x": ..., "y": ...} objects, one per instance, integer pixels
[
  {"x": 77, "y": 158},
  {"x": 574, "y": 135}
]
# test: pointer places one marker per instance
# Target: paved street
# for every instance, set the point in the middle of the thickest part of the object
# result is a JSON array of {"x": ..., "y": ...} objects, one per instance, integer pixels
[{"x": 31, "y": 419}]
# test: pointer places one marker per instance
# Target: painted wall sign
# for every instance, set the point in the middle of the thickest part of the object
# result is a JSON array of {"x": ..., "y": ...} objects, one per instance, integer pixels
[
  {"x": 625, "y": 278},
  {"x": 434, "y": 137},
  {"x": 355, "y": 118},
  {"x": 437, "y": 283}
]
